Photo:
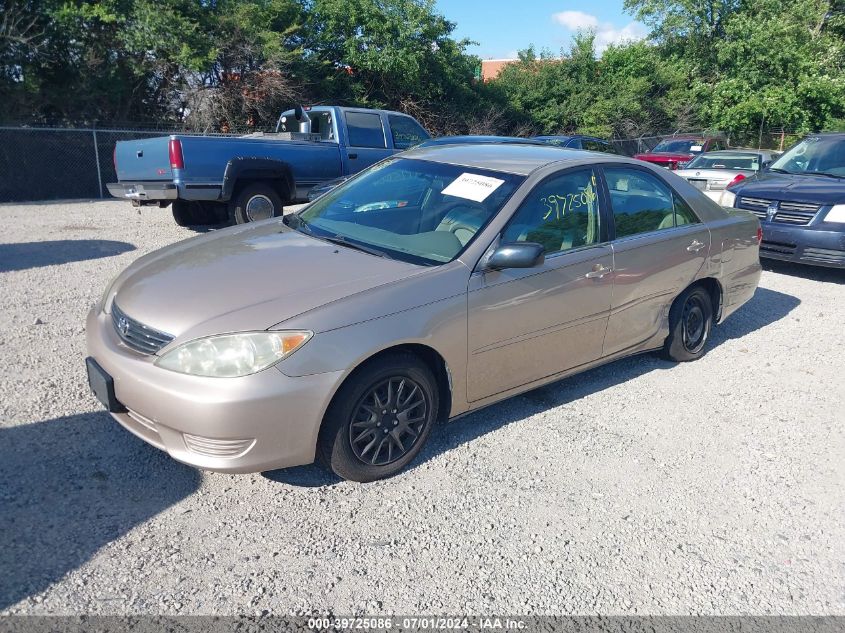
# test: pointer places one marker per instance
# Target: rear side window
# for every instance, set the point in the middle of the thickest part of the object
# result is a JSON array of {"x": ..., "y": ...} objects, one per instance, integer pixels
[
  {"x": 365, "y": 129},
  {"x": 560, "y": 213},
  {"x": 594, "y": 145},
  {"x": 405, "y": 131},
  {"x": 643, "y": 203}
]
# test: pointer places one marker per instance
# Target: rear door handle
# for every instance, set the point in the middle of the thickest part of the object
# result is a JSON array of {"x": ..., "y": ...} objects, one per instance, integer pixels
[
  {"x": 353, "y": 156},
  {"x": 598, "y": 272},
  {"x": 695, "y": 246}
]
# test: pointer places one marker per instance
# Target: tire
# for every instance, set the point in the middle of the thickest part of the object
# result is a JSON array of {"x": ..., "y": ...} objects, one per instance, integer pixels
[
  {"x": 194, "y": 213},
  {"x": 256, "y": 201},
  {"x": 690, "y": 324},
  {"x": 183, "y": 213},
  {"x": 356, "y": 420}
]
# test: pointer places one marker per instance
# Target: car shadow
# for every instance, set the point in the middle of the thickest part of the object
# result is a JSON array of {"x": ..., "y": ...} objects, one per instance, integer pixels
[
  {"x": 814, "y": 273},
  {"x": 766, "y": 307},
  {"x": 23, "y": 255},
  {"x": 68, "y": 487}
]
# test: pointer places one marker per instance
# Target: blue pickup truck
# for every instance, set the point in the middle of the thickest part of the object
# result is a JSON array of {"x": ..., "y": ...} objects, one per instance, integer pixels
[{"x": 211, "y": 179}]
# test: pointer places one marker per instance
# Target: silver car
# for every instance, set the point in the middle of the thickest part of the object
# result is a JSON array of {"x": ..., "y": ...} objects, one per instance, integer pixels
[
  {"x": 712, "y": 172},
  {"x": 430, "y": 285}
]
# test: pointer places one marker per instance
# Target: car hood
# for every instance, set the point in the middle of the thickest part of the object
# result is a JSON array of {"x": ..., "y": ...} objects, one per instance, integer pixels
[
  {"x": 246, "y": 279},
  {"x": 819, "y": 190}
]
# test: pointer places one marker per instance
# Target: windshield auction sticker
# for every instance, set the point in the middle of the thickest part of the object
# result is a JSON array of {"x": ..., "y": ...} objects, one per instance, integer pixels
[{"x": 472, "y": 187}]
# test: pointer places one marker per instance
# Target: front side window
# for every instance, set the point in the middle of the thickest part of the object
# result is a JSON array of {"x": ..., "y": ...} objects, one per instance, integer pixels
[
  {"x": 413, "y": 210},
  {"x": 406, "y": 132},
  {"x": 365, "y": 129},
  {"x": 560, "y": 213},
  {"x": 643, "y": 203}
]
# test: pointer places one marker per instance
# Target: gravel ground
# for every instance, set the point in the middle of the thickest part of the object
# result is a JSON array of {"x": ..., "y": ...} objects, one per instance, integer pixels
[{"x": 715, "y": 487}]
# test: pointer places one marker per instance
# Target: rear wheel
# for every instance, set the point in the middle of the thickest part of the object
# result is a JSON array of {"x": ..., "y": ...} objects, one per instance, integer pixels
[
  {"x": 256, "y": 201},
  {"x": 194, "y": 212},
  {"x": 380, "y": 419},
  {"x": 690, "y": 323}
]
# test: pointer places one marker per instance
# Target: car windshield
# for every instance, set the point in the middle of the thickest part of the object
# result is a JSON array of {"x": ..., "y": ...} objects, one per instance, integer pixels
[
  {"x": 814, "y": 155},
  {"x": 726, "y": 161},
  {"x": 413, "y": 210},
  {"x": 679, "y": 145}
]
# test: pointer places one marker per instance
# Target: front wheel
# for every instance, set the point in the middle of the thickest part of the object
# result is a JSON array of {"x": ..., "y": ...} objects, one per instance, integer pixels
[
  {"x": 379, "y": 419},
  {"x": 690, "y": 322},
  {"x": 256, "y": 201}
]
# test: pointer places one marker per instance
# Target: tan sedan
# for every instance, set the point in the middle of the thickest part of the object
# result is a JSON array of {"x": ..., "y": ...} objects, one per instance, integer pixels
[{"x": 434, "y": 283}]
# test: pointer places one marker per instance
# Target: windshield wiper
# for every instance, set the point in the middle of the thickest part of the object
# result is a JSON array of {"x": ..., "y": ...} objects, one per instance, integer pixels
[
  {"x": 781, "y": 171},
  {"x": 339, "y": 239},
  {"x": 824, "y": 173},
  {"x": 295, "y": 222}
]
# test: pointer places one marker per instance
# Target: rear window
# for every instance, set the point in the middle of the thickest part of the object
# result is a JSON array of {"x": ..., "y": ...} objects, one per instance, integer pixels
[
  {"x": 365, "y": 130},
  {"x": 680, "y": 146},
  {"x": 726, "y": 161}
]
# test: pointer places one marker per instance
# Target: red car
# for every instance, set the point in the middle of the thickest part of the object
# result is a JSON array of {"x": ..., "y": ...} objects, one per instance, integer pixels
[{"x": 676, "y": 151}]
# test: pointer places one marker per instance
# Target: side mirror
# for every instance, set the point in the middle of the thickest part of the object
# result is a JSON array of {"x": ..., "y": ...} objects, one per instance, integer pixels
[{"x": 517, "y": 255}]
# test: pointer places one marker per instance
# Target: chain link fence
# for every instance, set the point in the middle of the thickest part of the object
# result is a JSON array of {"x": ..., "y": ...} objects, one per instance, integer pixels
[{"x": 44, "y": 163}]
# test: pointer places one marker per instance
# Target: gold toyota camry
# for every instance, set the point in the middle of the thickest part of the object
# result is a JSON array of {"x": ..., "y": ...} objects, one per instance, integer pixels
[{"x": 436, "y": 282}]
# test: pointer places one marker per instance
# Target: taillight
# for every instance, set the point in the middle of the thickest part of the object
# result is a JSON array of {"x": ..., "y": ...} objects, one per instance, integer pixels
[
  {"x": 759, "y": 234},
  {"x": 175, "y": 150},
  {"x": 737, "y": 178}
]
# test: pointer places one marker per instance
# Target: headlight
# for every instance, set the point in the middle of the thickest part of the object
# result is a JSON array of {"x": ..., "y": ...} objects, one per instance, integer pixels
[
  {"x": 836, "y": 214},
  {"x": 727, "y": 198},
  {"x": 232, "y": 355}
]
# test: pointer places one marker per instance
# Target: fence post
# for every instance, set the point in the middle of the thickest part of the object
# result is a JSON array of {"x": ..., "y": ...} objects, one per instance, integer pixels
[{"x": 97, "y": 158}]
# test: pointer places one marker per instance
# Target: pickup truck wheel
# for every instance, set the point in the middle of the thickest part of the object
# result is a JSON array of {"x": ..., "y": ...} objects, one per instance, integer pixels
[
  {"x": 185, "y": 213},
  {"x": 257, "y": 201}
]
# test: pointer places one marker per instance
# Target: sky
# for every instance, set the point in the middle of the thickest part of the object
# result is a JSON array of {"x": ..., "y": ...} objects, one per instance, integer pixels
[{"x": 501, "y": 27}]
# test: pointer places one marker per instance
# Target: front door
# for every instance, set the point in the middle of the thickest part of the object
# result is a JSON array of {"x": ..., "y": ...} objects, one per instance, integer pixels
[
  {"x": 526, "y": 324},
  {"x": 658, "y": 248},
  {"x": 366, "y": 140}
]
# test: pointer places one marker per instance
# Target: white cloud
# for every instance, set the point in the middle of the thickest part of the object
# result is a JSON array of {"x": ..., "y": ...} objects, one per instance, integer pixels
[
  {"x": 606, "y": 32},
  {"x": 574, "y": 20}
]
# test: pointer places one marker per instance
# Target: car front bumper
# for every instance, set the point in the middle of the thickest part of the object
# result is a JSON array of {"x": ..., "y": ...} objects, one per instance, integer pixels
[
  {"x": 250, "y": 424},
  {"x": 814, "y": 245}
]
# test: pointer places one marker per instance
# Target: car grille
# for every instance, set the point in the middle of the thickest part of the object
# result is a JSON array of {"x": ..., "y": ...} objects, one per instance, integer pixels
[
  {"x": 798, "y": 213},
  {"x": 136, "y": 335},
  {"x": 824, "y": 255},
  {"x": 782, "y": 248},
  {"x": 210, "y": 447}
]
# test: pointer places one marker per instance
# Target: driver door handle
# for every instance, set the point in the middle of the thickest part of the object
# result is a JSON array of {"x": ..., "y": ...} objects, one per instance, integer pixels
[
  {"x": 353, "y": 156},
  {"x": 598, "y": 272},
  {"x": 695, "y": 246}
]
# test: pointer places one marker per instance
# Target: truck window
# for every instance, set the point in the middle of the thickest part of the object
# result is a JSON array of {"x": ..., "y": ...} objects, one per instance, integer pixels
[
  {"x": 406, "y": 132},
  {"x": 365, "y": 130}
]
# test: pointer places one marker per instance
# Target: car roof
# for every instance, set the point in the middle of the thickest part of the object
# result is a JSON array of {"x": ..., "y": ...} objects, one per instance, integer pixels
[
  {"x": 477, "y": 139},
  {"x": 521, "y": 159}
]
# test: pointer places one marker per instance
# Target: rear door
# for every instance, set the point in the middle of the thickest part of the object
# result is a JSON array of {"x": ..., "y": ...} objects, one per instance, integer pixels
[
  {"x": 366, "y": 140},
  {"x": 659, "y": 245}
]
